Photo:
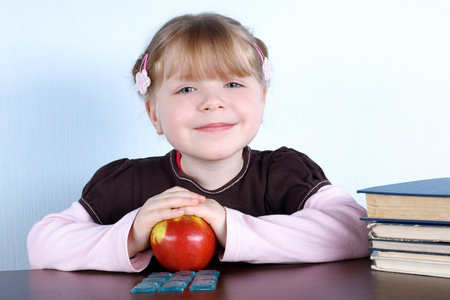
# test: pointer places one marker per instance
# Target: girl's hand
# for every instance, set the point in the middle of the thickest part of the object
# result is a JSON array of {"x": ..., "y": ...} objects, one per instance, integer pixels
[
  {"x": 214, "y": 214},
  {"x": 168, "y": 205}
]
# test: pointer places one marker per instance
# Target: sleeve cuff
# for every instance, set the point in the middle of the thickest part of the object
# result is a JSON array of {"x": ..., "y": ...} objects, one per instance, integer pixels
[
  {"x": 141, "y": 260},
  {"x": 234, "y": 243}
]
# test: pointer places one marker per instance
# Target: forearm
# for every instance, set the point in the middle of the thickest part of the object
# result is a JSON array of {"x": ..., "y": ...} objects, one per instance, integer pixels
[
  {"x": 71, "y": 241},
  {"x": 327, "y": 229}
]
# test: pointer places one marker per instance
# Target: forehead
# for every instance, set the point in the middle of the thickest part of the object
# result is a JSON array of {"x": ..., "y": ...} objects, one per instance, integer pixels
[{"x": 208, "y": 61}]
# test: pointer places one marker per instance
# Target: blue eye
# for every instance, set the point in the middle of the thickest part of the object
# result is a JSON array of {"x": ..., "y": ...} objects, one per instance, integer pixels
[
  {"x": 186, "y": 90},
  {"x": 233, "y": 85}
]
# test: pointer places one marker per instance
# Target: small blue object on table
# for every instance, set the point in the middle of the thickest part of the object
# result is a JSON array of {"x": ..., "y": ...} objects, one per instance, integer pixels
[{"x": 166, "y": 282}]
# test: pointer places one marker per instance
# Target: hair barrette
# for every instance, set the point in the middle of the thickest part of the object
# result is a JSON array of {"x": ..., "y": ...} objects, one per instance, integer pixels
[
  {"x": 266, "y": 65},
  {"x": 142, "y": 79}
]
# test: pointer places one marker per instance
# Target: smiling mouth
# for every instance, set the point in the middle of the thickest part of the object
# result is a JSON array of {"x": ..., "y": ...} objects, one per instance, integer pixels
[{"x": 215, "y": 127}]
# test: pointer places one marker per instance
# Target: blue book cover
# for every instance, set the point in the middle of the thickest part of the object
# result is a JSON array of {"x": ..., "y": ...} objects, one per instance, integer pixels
[
  {"x": 438, "y": 187},
  {"x": 407, "y": 221}
]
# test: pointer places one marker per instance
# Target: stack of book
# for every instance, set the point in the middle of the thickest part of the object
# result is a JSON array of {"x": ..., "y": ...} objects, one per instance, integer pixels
[{"x": 410, "y": 227}]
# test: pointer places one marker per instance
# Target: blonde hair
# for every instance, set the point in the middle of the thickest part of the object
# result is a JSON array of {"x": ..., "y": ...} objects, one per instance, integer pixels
[{"x": 200, "y": 46}]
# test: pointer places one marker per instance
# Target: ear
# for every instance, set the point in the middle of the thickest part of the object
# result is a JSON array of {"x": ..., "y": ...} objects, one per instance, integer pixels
[
  {"x": 150, "y": 107},
  {"x": 263, "y": 103}
]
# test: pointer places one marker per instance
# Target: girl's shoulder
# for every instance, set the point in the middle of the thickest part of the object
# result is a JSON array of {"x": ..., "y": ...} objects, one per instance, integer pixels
[
  {"x": 123, "y": 168},
  {"x": 291, "y": 176},
  {"x": 111, "y": 191},
  {"x": 287, "y": 159},
  {"x": 281, "y": 156}
]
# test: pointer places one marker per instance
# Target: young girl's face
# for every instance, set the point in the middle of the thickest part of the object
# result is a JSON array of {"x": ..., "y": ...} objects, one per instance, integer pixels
[{"x": 208, "y": 119}]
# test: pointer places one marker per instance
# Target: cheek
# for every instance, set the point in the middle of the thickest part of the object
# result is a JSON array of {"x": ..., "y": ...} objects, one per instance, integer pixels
[
  {"x": 172, "y": 119},
  {"x": 253, "y": 117},
  {"x": 256, "y": 110}
]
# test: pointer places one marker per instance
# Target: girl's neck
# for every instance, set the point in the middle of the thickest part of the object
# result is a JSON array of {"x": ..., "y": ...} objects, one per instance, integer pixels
[{"x": 212, "y": 175}]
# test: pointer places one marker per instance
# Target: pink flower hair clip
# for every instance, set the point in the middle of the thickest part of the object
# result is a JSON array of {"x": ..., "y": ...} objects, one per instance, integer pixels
[
  {"x": 142, "y": 79},
  {"x": 266, "y": 65}
]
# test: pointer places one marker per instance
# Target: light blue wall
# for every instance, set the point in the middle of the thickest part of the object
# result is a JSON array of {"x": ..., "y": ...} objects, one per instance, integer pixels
[{"x": 363, "y": 87}]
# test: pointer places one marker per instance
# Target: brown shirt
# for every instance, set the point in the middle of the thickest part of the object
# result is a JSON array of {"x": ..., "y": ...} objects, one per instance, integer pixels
[{"x": 271, "y": 182}]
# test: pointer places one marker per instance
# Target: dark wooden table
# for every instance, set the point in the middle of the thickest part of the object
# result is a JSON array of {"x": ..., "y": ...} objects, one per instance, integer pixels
[{"x": 351, "y": 279}]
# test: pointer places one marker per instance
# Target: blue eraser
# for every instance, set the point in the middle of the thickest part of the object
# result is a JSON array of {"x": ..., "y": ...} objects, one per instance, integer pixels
[
  {"x": 185, "y": 273},
  {"x": 173, "y": 286},
  {"x": 160, "y": 275},
  {"x": 183, "y": 276},
  {"x": 203, "y": 285},
  {"x": 151, "y": 283},
  {"x": 166, "y": 282},
  {"x": 205, "y": 280},
  {"x": 146, "y": 287},
  {"x": 206, "y": 277},
  {"x": 208, "y": 272}
]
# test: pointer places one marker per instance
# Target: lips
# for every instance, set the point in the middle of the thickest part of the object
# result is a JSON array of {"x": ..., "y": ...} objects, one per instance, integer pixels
[{"x": 215, "y": 127}]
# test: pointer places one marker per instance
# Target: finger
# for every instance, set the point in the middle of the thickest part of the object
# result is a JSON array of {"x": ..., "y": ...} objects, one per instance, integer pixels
[
  {"x": 207, "y": 210},
  {"x": 173, "y": 198},
  {"x": 167, "y": 214},
  {"x": 179, "y": 190},
  {"x": 203, "y": 210},
  {"x": 181, "y": 193},
  {"x": 167, "y": 206},
  {"x": 172, "y": 201},
  {"x": 150, "y": 218}
]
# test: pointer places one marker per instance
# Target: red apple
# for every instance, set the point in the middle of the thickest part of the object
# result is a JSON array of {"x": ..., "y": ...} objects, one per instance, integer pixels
[{"x": 185, "y": 243}]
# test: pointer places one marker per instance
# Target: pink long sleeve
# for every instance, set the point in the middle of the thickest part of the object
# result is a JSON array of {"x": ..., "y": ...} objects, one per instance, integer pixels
[
  {"x": 327, "y": 229},
  {"x": 70, "y": 241}
]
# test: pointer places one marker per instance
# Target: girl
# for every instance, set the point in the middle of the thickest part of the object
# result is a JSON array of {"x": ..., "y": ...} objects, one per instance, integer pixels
[{"x": 204, "y": 80}]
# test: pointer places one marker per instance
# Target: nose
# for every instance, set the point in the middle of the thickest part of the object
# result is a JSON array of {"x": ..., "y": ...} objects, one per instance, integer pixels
[{"x": 212, "y": 102}]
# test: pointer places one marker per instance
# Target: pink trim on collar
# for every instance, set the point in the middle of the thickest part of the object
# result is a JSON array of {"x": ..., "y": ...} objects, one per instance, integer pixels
[{"x": 179, "y": 162}]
